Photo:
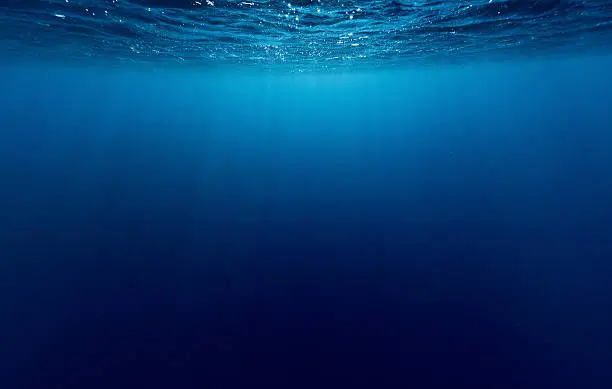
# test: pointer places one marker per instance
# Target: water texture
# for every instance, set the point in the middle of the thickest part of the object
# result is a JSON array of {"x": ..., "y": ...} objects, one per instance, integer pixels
[
  {"x": 410, "y": 195},
  {"x": 303, "y": 33}
]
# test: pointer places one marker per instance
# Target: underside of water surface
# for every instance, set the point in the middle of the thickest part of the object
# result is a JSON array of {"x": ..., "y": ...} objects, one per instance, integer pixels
[{"x": 300, "y": 34}]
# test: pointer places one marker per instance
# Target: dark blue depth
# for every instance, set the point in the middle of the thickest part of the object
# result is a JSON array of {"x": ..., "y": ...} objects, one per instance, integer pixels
[{"x": 172, "y": 216}]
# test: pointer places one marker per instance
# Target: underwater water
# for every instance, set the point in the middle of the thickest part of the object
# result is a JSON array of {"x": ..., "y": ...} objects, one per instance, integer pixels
[
  {"x": 301, "y": 34},
  {"x": 327, "y": 194}
]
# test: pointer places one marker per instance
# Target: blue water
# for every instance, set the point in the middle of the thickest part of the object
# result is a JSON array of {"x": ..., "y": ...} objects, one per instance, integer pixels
[
  {"x": 373, "y": 194},
  {"x": 301, "y": 34}
]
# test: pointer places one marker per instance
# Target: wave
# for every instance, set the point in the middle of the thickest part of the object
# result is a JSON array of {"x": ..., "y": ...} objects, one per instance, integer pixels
[{"x": 301, "y": 33}]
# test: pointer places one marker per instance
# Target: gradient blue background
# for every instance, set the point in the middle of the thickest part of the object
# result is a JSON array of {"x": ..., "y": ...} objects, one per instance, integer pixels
[{"x": 426, "y": 227}]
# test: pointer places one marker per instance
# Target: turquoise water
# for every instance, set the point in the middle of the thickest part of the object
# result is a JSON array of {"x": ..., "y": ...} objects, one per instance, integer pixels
[
  {"x": 222, "y": 196},
  {"x": 300, "y": 35}
]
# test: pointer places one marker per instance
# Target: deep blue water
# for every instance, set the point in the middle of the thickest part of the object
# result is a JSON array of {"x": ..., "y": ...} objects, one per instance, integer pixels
[
  {"x": 429, "y": 215},
  {"x": 302, "y": 34}
]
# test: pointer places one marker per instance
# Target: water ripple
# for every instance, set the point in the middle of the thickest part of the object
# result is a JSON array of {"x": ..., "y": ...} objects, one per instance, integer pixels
[{"x": 301, "y": 33}]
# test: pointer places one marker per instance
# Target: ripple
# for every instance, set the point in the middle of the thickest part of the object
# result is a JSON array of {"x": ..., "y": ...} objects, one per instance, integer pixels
[{"x": 300, "y": 33}]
